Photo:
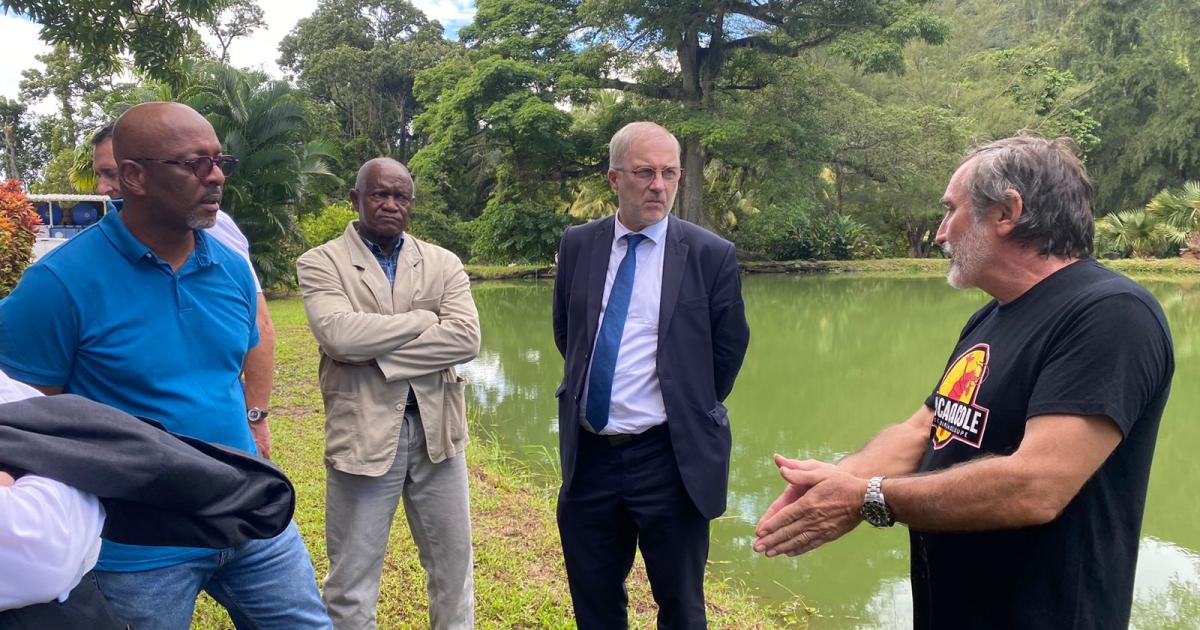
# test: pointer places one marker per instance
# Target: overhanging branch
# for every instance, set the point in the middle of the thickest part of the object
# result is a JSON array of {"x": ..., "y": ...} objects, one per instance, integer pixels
[
  {"x": 767, "y": 45},
  {"x": 652, "y": 91}
]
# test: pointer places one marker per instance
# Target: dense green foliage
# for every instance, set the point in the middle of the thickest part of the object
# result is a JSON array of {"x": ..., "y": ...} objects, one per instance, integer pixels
[
  {"x": 823, "y": 129},
  {"x": 1170, "y": 221},
  {"x": 327, "y": 224}
]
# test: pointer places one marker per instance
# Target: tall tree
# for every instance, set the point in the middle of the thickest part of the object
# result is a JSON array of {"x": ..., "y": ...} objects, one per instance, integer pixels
[
  {"x": 363, "y": 56},
  {"x": 19, "y": 157},
  {"x": 691, "y": 55},
  {"x": 73, "y": 83},
  {"x": 156, "y": 34},
  {"x": 236, "y": 20},
  {"x": 1141, "y": 64}
]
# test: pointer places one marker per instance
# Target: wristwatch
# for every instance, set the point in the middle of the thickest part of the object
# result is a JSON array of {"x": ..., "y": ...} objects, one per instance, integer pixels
[
  {"x": 254, "y": 414},
  {"x": 874, "y": 509}
]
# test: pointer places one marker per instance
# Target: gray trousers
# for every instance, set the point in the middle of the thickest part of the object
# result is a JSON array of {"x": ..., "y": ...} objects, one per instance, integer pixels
[{"x": 359, "y": 511}]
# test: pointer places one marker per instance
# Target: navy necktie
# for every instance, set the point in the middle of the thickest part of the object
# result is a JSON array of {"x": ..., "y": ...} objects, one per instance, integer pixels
[{"x": 608, "y": 340}]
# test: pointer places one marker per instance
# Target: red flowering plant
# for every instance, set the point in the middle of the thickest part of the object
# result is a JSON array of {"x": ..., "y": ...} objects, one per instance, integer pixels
[{"x": 17, "y": 223}]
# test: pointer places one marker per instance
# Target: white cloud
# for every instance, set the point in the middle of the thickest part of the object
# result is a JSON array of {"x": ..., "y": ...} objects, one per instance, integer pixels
[{"x": 19, "y": 44}]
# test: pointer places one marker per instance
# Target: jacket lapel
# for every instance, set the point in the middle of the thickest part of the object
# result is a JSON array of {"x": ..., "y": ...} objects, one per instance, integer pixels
[
  {"x": 673, "y": 260},
  {"x": 370, "y": 273},
  {"x": 408, "y": 271},
  {"x": 598, "y": 271}
]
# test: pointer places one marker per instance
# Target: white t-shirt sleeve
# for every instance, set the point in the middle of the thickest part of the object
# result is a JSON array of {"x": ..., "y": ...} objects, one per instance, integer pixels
[
  {"x": 227, "y": 232},
  {"x": 49, "y": 538}
]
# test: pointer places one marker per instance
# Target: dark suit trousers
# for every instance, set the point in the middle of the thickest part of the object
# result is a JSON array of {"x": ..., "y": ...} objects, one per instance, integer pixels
[{"x": 623, "y": 498}]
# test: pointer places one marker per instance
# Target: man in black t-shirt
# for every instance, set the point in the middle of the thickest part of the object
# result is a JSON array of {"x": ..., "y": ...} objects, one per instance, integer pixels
[{"x": 1023, "y": 477}]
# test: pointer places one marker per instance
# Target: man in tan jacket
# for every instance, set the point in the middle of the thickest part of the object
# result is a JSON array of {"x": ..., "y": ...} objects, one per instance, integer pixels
[{"x": 393, "y": 315}]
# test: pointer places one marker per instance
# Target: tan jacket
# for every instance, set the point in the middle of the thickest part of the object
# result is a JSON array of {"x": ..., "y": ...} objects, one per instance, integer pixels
[{"x": 377, "y": 340}]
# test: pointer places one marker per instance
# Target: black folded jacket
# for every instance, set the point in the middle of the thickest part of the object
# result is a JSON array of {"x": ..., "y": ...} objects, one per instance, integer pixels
[{"x": 157, "y": 488}]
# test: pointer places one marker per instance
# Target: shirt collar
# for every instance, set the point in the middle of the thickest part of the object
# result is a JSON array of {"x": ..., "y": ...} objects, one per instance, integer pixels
[
  {"x": 656, "y": 232},
  {"x": 134, "y": 250},
  {"x": 378, "y": 251}
]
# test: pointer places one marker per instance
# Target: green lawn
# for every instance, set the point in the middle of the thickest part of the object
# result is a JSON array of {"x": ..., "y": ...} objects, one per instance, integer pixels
[{"x": 519, "y": 576}]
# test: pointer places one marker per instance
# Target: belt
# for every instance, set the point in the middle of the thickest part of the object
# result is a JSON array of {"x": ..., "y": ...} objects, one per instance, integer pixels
[{"x": 622, "y": 439}]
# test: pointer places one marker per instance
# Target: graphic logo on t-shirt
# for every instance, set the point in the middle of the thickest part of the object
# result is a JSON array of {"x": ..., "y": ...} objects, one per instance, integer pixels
[{"x": 955, "y": 414}]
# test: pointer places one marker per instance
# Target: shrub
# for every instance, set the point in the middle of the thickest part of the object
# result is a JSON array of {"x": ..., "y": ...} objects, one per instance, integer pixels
[
  {"x": 512, "y": 230},
  {"x": 433, "y": 224},
  {"x": 327, "y": 224},
  {"x": 794, "y": 232},
  {"x": 17, "y": 223}
]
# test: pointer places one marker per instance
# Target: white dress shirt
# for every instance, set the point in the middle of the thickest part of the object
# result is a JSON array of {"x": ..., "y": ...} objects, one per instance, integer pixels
[
  {"x": 228, "y": 234},
  {"x": 637, "y": 402},
  {"x": 49, "y": 532}
]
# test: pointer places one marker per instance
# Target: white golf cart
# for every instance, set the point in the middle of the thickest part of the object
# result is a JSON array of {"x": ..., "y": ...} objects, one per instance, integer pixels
[{"x": 63, "y": 217}]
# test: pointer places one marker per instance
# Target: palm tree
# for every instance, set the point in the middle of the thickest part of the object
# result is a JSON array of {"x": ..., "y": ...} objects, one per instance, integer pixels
[
  {"x": 1137, "y": 231},
  {"x": 262, "y": 123},
  {"x": 1181, "y": 211}
]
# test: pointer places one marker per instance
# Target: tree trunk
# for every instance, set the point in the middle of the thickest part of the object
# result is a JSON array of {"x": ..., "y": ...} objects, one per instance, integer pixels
[
  {"x": 10, "y": 145},
  {"x": 918, "y": 243},
  {"x": 690, "y": 206}
]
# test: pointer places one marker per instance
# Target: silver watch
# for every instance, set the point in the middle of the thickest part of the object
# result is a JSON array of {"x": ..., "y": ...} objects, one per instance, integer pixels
[
  {"x": 874, "y": 509},
  {"x": 254, "y": 414}
]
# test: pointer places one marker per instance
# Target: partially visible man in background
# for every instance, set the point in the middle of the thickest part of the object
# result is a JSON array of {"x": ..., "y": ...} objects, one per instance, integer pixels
[{"x": 260, "y": 362}]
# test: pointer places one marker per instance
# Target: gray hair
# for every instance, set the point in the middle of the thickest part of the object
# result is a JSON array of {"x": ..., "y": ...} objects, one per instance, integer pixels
[
  {"x": 1055, "y": 191},
  {"x": 361, "y": 179},
  {"x": 618, "y": 147}
]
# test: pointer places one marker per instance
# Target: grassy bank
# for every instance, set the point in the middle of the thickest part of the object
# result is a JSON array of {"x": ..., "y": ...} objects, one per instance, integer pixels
[
  {"x": 906, "y": 267},
  {"x": 519, "y": 577},
  {"x": 938, "y": 266}
]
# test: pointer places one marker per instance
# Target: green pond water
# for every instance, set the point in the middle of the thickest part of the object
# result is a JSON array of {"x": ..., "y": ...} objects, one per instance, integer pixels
[{"x": 832, "y": 360}]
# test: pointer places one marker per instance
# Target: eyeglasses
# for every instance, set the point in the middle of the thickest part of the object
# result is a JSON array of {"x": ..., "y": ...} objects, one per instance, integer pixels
[
  {"x": 646, "y": 174},
  {"x": 200, "y": 166}
]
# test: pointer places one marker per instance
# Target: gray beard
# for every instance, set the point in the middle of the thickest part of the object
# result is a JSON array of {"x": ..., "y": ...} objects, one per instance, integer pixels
[
  {"x": 968, "y": 263},
  {"x": 197, "y": 221}
]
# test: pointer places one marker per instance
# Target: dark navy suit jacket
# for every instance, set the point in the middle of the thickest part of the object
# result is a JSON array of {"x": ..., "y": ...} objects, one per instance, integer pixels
[{"x": 702, "y": 339}]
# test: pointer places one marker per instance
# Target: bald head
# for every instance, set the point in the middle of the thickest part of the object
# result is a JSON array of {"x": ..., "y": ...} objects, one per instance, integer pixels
[
  {"x": 158, "y": 130},
  {"x": 370, "y": 166},
  {"x": 166, "y": 163},
  {"x": 618, "y": 147}
]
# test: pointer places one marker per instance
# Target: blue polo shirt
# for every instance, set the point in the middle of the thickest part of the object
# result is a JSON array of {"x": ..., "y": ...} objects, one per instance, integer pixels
[{"x": 103, "y": 316}]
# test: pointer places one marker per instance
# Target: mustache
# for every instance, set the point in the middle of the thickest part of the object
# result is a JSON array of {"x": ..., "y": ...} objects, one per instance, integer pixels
[{"x": 213, "y": 194}]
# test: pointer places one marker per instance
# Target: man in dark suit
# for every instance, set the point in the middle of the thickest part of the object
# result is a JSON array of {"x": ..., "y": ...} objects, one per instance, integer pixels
[{"x": 648, "y": 316}]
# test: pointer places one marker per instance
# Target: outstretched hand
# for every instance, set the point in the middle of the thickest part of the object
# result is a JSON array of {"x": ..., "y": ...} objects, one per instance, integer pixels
[
  {"x": 792, "y": 492},
  {"x": 820, "y": 504}
]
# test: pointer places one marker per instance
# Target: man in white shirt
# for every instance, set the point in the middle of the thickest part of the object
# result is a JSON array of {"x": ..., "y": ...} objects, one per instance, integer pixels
[
  {"x": 49, "y": 542},
  {"x": 260, "y": 361}
]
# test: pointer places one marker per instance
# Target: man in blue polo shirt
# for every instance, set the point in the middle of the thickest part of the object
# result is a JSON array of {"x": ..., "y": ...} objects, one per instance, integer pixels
[{"x": 149, "y": 314}]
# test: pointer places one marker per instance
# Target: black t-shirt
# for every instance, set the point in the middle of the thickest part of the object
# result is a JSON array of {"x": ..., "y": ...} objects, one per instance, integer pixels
[{"x": 1084, "y": 341}]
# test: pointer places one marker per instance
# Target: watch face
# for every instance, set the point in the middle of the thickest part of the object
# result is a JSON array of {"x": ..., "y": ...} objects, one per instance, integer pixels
[{"x": 875, "y": 514}]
